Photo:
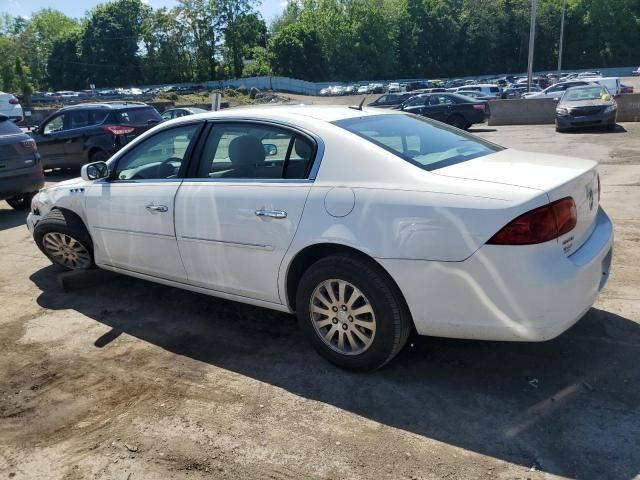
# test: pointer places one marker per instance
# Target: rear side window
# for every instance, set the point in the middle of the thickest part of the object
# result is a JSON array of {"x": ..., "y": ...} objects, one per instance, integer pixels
[
  {"x": 137, "y": 116},
  {"x": 7, "y": 127},
  {"x": 253, "y": 151},
  {"x": 424, "y": 143},
  {"x": 494, "y": 89}
]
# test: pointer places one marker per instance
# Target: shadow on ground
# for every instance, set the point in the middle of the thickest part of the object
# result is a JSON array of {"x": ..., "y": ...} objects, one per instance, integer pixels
[
  {"x": 567, "y": 407},
  {"x": 10, "y": 218}
]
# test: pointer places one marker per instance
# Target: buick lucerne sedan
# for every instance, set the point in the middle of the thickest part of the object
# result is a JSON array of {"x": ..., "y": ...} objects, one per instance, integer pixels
[{"x": 365, "y": 223}]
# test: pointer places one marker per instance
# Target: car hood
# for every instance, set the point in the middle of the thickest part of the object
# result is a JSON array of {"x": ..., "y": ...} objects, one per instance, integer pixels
[{"x": 522, "y": 169}]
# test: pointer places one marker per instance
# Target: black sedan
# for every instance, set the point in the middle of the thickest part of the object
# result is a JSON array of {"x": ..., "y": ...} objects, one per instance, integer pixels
[
  {"x": 588, "y": 106},
  {"x": 390, "y": 100},
  {"x": 20, "y": 167},
  {"x": 456, "y": 110}
]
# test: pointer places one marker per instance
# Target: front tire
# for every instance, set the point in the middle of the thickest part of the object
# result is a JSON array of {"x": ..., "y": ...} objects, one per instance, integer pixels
[
  {"x": 64, "y": 239},
  {"x": 352, "y": 312},
  {"x": 457, "y": 121},
  {"x": 21, "y": 202}
]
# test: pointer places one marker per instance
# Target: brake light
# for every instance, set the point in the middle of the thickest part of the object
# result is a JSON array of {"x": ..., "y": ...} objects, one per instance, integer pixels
[
  {"x": 479, "y": 106},
  {"x": 117, "y": 129},
  {"x": 14, "y": 101},
  {"x": 29, "y": 144},
  {"x": 539, "y": 225}
]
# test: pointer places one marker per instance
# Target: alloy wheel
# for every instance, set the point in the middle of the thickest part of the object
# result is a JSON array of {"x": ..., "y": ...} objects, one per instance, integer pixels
[
  {"x": 342, "y": 316},
  {"x": 67, "y": 251}
]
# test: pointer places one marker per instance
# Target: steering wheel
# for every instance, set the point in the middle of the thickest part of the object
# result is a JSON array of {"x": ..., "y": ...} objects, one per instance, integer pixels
[{"x": 167, "y": 169}]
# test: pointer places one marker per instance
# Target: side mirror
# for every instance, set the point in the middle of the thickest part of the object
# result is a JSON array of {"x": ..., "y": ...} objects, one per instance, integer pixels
[
  {"x": 270, "y": 149},
  {"x": 94, "y": 171},
  {"x": 556, "y": 99}
]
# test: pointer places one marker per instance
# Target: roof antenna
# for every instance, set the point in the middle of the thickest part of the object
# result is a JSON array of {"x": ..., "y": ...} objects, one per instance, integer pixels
[{"x": 359, "y": 106}]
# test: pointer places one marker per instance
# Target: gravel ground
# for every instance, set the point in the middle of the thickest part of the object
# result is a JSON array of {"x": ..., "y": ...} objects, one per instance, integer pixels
[{"x": 131, "y": 380}]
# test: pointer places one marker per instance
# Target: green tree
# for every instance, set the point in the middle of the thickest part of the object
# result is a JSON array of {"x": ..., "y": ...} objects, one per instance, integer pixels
[{"x": 297, "y": 52}]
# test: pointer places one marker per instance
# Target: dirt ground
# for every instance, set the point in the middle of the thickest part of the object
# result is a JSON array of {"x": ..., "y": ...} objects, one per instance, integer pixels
[{"x": 130, "y": 380}]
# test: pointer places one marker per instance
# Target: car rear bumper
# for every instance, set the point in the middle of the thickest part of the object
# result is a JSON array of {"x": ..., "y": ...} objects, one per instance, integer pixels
[
  {"x": 20, "y": 183},
  {"x": 507, "y": 293}
]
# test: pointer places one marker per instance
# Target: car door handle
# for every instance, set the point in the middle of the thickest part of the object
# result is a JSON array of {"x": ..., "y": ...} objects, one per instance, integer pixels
[
  {"x": 271, "y": 213},
  {"x": 157, "y": 208}
]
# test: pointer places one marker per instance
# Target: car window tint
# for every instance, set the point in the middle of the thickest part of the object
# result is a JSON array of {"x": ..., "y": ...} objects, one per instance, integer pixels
[
  {"x": 494, "y": 89},
  {"x": 251, "y": 151},
  {"x": 54, "y": 125},
  {"x": 158, "y": 157},
  {"x": 424, "y": 143},
  {"x": 416, "y": 101},
  {"x": 137, "y": 116},
  {"x": 7, "y": 127},
  {"x": 441, "y": 100},
  {"x": 97, "y": 117},
  {"x": 78, "y": 119}
]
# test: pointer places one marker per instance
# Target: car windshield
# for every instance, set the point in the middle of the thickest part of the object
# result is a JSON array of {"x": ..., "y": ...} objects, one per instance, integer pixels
[
  {"x": 424, "y": 143},
  {"x": 586, "y": 93}
]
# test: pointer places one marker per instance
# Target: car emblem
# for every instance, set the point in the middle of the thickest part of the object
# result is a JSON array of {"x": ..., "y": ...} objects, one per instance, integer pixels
[{"x": 590, "y": 196}]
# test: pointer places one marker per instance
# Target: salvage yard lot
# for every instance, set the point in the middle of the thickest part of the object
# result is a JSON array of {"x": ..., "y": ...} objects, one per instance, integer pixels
[{"x": 130, "y": 379}]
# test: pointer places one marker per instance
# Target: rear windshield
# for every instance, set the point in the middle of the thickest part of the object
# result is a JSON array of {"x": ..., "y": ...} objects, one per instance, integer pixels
[
  {"x": 137, "y": 116},
  {"x": 424, "y": 143},
  {"x": 7, "y": 127}
]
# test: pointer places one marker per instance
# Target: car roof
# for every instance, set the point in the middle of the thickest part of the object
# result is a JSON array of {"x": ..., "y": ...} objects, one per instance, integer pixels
[
  {"x": 287, "y": 113},
  {"x": 105, "y": 105}
]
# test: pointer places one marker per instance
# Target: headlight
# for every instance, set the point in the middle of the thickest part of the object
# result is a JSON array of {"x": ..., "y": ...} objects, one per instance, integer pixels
[
  {"x": 562, "y": 111},
  {"x": 34, "y": 203},
  {"x": 610, "y": 108}
]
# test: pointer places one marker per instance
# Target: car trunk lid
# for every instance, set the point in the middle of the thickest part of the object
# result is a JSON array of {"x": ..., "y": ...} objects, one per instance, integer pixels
[
  {"x": 13, "y": 155},
  {"x": 555, "y": 175}
]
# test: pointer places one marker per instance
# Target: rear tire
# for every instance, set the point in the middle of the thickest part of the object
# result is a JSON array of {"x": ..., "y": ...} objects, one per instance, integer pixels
[
  {"x": 611, "y": 127},
  {"x": 64, "y": 239},
  {"x": 99, "y": 156},
  {"x": 457, "y": 121},
  {"x": 21, "y": 202},
  {"x": 363, "y": 322}
]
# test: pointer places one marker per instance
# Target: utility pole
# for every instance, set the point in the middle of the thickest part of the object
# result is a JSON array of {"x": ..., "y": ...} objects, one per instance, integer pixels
[
  {"x": 564, "y": 8},
  {"x": 532, "y": 41}
]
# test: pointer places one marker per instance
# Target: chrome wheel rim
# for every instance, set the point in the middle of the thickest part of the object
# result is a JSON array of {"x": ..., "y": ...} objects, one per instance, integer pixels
[
  {"x": 66, "y": 251},
  {"x": 342, "y": 317}
]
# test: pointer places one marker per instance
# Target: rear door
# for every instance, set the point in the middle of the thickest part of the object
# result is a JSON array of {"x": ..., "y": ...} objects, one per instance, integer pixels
[
  {"x": 439, "y": 107},
  {"x": 237, "y": 214}
]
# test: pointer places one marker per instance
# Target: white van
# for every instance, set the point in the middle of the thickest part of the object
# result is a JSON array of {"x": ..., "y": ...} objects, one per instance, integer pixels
[
  {"x": 612, "y": 84},
  {"x": 488, "y": 90}
]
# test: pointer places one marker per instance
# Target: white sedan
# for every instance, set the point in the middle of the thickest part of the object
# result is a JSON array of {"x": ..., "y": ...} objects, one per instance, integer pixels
[{"x": 367, "y": 224}]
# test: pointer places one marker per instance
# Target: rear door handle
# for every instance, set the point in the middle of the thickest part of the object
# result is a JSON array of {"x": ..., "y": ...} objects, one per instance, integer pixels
[
  {"x": 157, "y": 208},
  {"x": 271, "y": 213}
]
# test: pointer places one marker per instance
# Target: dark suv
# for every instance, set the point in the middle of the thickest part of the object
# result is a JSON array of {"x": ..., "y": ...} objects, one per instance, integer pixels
[
  {"x": 91, "y": 132},
  {"x": 20, "y": 168}
]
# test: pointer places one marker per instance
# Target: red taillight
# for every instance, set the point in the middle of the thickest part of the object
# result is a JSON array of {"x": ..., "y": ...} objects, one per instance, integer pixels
[
  {"x": 478, "y": 106},
  {"x": 117, "y": 129},
  {"x": 29, "y": 144},
  {"x": 539, "y": 225},
  {"x": 14, "y": 101}
]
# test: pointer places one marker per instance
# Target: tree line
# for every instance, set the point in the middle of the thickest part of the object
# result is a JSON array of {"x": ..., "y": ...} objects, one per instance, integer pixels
[{"x": 126, "y": 42}]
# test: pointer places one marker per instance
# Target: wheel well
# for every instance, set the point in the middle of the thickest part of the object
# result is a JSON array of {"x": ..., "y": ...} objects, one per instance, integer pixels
[
  {"x": 311, "y": 254},
  {"x": 92, "y": 151},
  {"x": 66, "y": 212}
]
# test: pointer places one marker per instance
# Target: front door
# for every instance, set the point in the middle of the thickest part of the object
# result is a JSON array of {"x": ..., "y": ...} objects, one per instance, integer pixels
[
  {"x": 237, "y": 216},
  {"x": 131, "y": 215},
  {"x": 51, "y": 139}
]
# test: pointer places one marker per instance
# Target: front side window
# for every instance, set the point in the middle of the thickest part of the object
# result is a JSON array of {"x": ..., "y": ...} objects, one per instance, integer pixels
[
  {"x": 416, "y": 102},
  {"x": 158, "y": 157},
  {"x": 254, "y": 151},
  {"x": 424, "y": 143},
  {"x": 56, "y": 124}
]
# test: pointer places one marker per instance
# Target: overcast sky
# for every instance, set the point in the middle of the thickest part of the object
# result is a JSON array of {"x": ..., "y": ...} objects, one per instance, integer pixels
[{"x": 77, "y": 8}]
